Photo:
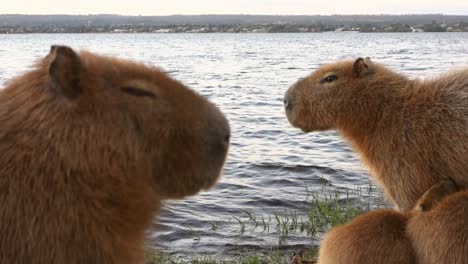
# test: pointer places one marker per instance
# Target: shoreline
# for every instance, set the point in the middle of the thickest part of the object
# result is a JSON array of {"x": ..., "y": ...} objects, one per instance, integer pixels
[{"x": 207, "y": 33}]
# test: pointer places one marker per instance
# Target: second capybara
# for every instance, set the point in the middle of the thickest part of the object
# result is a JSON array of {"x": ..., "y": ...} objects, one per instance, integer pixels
[
  {"x": 438, "y": 235},
  {"x": 377, "y": 237},
  {"x": 412, "y": 133},
  {"x": 90, "y": 145}
]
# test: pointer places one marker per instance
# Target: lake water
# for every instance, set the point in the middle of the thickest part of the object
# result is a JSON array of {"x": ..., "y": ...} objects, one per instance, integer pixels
[{"x": 270, "y": 163}]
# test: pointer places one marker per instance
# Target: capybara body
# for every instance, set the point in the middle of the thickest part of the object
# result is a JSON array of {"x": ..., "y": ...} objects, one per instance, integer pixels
[
  {"x": 411, "y": 133},
  {"x": 439, "y": 235},
  {"x": 377, "y": 237},
  {"x": 90, "y": 145}
]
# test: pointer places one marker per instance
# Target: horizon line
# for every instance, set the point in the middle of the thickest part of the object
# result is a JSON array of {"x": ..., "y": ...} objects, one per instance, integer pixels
[{"x": 219, "y": 14}]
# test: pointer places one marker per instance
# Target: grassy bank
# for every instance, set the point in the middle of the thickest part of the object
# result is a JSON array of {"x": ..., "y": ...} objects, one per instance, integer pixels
[
  {"x": 328, "y": 207},
  {"x": 303, "y": 257}
]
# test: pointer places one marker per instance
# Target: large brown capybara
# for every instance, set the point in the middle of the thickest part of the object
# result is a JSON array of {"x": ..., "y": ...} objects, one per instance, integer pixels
[
  {"x": 89, "y": 147},
  {"x": 411, "y": 133}
]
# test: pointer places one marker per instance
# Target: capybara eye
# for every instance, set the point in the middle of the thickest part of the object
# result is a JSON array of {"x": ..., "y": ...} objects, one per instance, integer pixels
[
  {"x": 137, "y": 92},
  {"x": 329, "y": 79}
]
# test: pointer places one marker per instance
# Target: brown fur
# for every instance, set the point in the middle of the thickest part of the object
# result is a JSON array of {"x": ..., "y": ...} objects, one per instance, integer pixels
[
  {"x": 89, "y": 147},
  {"x": 441, "y": 235},
  {"x": 411, "y": 133},
  {"x": 386, "y": 236},
  {"x": 436, "y": 194},
  {"x": 377, "y": 237}
]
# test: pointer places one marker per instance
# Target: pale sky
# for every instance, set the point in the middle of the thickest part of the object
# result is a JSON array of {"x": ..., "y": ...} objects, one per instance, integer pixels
[{"x": 268, "y": 7}]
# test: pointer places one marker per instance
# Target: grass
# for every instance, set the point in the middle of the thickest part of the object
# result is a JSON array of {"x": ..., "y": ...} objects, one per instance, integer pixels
[
  {"x": 328, "y": 207},
  {"x": 273, "y": 257}
]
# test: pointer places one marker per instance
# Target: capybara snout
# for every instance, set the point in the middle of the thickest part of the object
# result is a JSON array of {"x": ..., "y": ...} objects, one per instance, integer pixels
[
  {"x": 296, "y": 105},
  {"x": 290, "y": 106},
  {"x": 206, "y": 137}
]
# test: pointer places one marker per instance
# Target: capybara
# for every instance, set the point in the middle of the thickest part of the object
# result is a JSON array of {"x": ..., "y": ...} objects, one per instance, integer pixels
[
  {"x": 89, "y": 146},
  {"x": 440, "y": 235},
  {"x": 377, "y": 237},
  {"x": 436, "y": 236},
  {"x": 411, "y": 133},
  {"x": 436, "y": 194}
]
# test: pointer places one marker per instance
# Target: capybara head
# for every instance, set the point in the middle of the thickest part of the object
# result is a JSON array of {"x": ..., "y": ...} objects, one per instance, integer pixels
[
  {"x": 90, "y": 145},
  {"x": 318, "y": 101},
  {"x": 120, "y": 115}
]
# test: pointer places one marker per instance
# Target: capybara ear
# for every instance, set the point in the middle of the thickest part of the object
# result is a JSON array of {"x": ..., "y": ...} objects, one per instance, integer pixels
[
  {"x": 361, "y": 67},
  {"x": 64, "y": 71}
]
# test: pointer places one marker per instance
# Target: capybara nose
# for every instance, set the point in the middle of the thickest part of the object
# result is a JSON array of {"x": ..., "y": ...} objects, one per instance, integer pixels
[
  {"x": 288, "y": 102},
  {"x": 220, "y": 133},
  {"x": 227, "y": 138}
]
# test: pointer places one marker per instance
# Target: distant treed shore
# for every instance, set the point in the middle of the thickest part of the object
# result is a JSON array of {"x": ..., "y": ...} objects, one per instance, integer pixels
[
  {"x": 14, "y": 24},
  {"x": 269, "y": 28}
]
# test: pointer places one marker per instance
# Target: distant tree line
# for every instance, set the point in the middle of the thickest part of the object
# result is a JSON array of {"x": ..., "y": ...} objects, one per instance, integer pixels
[{"x": 10, "y": 24}]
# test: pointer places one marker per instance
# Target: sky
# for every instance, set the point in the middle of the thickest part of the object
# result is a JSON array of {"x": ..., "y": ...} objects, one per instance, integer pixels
[{"x": 267, "y": 7}]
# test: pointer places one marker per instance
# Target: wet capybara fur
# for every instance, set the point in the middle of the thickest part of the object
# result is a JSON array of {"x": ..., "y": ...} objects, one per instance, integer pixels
[
  {"x": 90, "y": 145},
  {"x": 411, "y": 133}
]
